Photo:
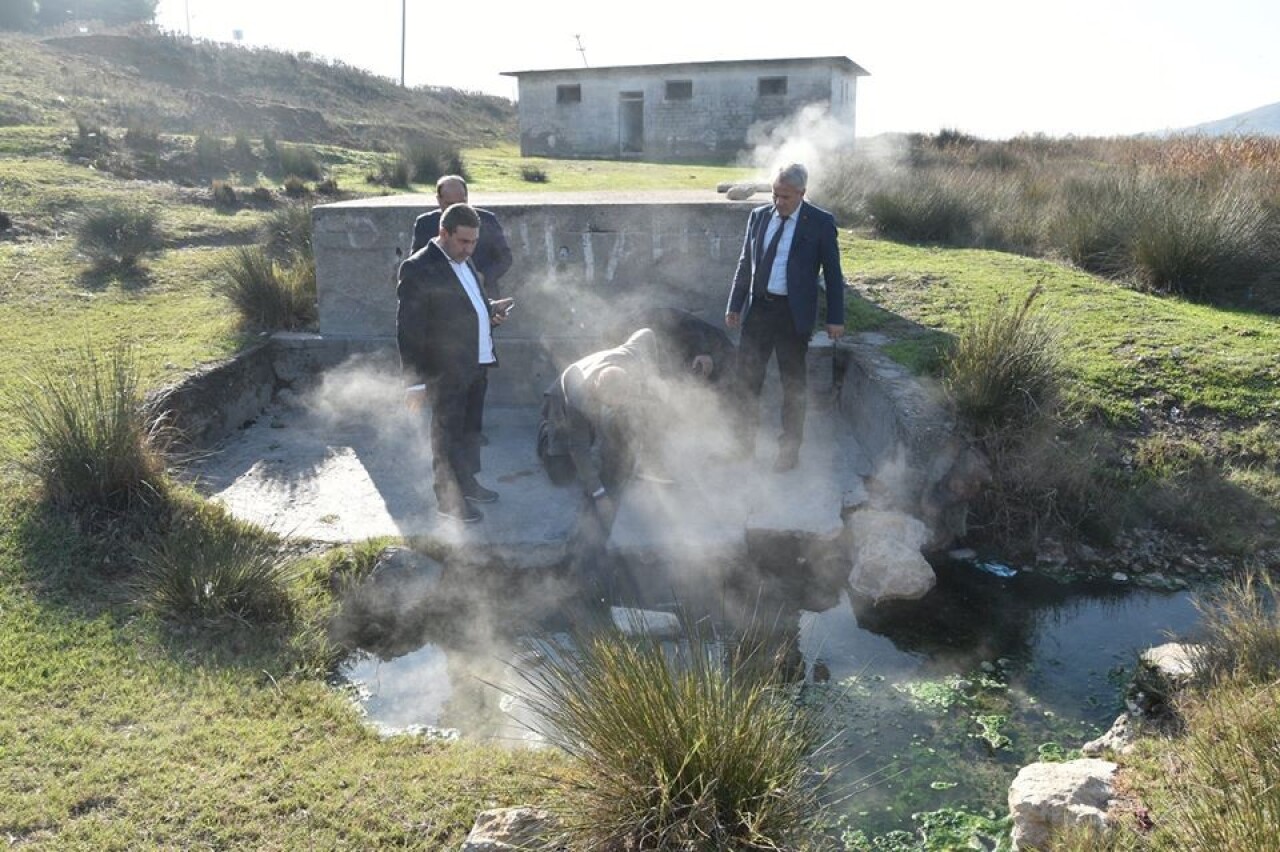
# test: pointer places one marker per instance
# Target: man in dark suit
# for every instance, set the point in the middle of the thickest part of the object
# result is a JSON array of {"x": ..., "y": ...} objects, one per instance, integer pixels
[
  {"x": 492, "y": 255},
  {"x": 444, "y": 327},
  {"x": 774, "y": 300}
]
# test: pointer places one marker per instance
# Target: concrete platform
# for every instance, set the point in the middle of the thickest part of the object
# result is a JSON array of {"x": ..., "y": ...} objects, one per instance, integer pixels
[{"x": 347, "y": 463}]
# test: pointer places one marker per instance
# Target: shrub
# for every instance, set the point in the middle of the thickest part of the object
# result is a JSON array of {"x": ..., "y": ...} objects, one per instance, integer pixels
[
  {"x": 286, "y": 233},
  {"x": 119, "y": 233},
  {"x": 211, "y": 566},
  {"x": 95, "y": 448},
  {"x": 261, "y": 195},
  {"x": 1188, "y": 239},
  {"x": 1004, "y": 373},
  {"x": 328, "y": 186},
  {"x": 1224, "y": 773},
  {"x": 269, "y": 147},
  {"x": 925, "y": 208},
  {"x": 394, "y": 173},
  {"x": 1097, "y": 223},
  {"x": 242, "y": 151},
  {"x": 6, "y": 221},
  {"x": 533, "y": 174},
  {"x": 208, "y": 152},
  {"x": 141, "y": 135},
  {"x": 224, "y": 194},
  {"x": 295, "y": 187},
  {"x": 268, "y": 295},
  {"x": 430, "y": 161},
  {"x": 91, "y": 139},
  {"x": 679, "y": 747},
  {"x": 297, "y": 161}
]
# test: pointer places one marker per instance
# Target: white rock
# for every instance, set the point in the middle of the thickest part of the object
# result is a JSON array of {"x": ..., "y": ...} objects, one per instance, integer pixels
[
  {"x": 1119, "y": 738},
  {"x": 508, "y": 830},
  {"x": 1045, "y": 797},
  {"x": 1174, "y": 660},
  {"x": 887, "y": 563},
  {"x": 645, "y": 622}
]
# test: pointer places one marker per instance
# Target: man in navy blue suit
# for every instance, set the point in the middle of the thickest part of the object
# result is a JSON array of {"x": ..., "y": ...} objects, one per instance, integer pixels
[
  {"x": 774, "y": 300},
  {"x": 492, "y": 255}
]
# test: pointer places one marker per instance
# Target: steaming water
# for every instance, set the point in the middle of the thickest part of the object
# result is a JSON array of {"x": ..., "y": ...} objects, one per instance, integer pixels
[{"x": 939, "y": 701}]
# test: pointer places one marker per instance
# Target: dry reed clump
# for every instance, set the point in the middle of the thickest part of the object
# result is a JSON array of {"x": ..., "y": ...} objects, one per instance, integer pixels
[
  {"x": 683, "y": 746},
  {"x": 1189, "y": 215}
]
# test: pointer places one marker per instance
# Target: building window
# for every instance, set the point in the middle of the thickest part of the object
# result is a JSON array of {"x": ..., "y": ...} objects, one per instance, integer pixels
[
  {"x": 569, "y": 94},
  {"x": 679, "y": 90},
  {"x": 773, "y": 86}
]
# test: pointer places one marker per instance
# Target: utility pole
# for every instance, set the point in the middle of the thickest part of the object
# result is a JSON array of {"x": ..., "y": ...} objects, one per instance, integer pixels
[
  {"x": 581, "y": 49},
  {"x": 403, "y": 19},
  {"x": 187, "y": 6}
]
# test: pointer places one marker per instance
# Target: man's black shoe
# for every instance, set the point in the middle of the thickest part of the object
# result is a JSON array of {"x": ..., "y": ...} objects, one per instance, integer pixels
[
  {"x": 466, "y": 513},
  {"x": 477, "y": 493}
]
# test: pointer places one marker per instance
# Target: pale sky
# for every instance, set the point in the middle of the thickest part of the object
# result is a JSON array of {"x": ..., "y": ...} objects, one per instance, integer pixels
[{"x": 993, "y": 68}]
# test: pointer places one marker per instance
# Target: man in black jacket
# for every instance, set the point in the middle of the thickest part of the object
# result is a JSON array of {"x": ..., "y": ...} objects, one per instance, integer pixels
[
  {"x": 492, "y": 255},
  {"x": 444, "y": 333}
]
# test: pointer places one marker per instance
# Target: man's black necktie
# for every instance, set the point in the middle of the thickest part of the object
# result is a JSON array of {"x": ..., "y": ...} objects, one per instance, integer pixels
[{"x": 765, "y": 269}]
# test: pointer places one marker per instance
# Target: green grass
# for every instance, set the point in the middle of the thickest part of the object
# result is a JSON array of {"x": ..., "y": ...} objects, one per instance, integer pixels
[
  {"x": 500, "y": 169},
  {"x": 120, "y": 733},
  {"x": 1126, "y": 352}
]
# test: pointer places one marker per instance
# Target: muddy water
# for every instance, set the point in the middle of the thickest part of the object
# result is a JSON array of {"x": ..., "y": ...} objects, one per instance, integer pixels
[{"x": 938, "y": 702}]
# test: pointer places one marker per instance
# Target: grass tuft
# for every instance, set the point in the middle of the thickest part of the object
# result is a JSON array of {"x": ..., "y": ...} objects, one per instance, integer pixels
[
  {"x": 1242, "y": 632},
  {"x": 1005, "y": 371},
  {"x": 286, "y": 232},
  {"x": 680, "y": 745},
  {"x": 209, "y": 566},
  {"x": 95, "y": 448},
  {"x": 268, "y": 294},
  {"x": 119, "y": 233}
]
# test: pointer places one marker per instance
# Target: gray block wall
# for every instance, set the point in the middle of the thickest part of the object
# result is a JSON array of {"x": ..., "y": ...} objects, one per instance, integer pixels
[{"x": 582, "y": 262}]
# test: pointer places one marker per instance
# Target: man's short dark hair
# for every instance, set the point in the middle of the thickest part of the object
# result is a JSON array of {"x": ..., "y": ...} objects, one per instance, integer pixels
[{"x": 459, "y": 216}]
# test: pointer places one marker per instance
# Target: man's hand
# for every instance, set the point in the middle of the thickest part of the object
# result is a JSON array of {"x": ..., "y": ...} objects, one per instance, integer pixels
[
  {"x": 415, "y": 399},
  {"x": 835, "y": 332},
  {"x": 702, "y": 365},
  {"x": 499, "y": 308},
  {"x": 733, "y": 319}
]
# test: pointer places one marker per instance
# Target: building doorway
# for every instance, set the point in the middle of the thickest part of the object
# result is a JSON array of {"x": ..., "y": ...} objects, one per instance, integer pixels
[{"x": 631, "y": 122}]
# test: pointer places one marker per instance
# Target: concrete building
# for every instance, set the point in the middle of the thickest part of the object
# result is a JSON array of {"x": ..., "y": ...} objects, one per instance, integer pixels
[{"x": 679, "y": 112}]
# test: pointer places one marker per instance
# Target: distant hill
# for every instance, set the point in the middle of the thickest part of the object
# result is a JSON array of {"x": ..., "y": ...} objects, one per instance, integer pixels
[
  {"x": 181, "y": 86},
  {"x": 1263, "y": 121}
]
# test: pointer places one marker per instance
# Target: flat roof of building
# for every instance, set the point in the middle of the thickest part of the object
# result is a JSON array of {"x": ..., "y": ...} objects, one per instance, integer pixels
[{"x": 840, "y": 61}]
